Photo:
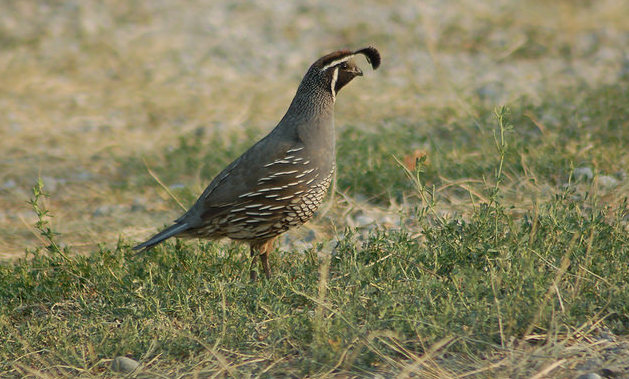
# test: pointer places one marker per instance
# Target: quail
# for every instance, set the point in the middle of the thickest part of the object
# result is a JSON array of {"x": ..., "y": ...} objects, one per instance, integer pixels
[{"x": 281, "y": 180}]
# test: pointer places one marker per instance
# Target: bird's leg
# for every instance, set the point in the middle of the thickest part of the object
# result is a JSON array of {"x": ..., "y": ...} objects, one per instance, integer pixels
[
  {"x": 261, "y": 248},
  {"x": 264, "y": 258},
  {"x": 265, "y": 249},
  {"x": 253, "y": 274}
]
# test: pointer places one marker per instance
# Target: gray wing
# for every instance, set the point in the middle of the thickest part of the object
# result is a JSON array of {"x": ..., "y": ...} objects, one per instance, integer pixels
[{"x": 265, "y": 165}]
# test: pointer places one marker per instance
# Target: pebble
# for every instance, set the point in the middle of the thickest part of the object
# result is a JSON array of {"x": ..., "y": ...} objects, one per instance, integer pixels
[
  {"x": 124, "y": 364},
  {"x": 490, "y": 91},
  {"x": 83, "y": 176},
  {"x": 310, "y": 236},
  {"x": 363, "y": 220},
  {"x": 607, "y": 181},
  {"x": 50, "y": 183},
  {"x": 138, "y": 205},
  {"x": 108, "y": 210},
  {"x": 583, "y": 173},
  {"x": 103, "y": 210},
  {"x": 9, "y": 184},
  {"x": 591, "y": 375}
]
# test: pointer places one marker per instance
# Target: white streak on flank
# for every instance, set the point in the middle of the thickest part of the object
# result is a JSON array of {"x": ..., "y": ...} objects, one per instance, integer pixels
[
  {"x": 295, "y": 149},
  {"x": 238, "y": 219},
  {"x": 249, "y": 194},
  {"x": 285, "y": 173},
  {"x": 306, "y": 162},
  {"x": 265, "y": 207},
  {"x": 270, "y": 189},
  {"x": 309, "y": 171},
  {"x": 236, "y": 210},
  {"x": 275, "y": 162},
  {"x": 285, "y": 197},
  {"x": 258, "y": 213},
  {"x": 335, "y": 76},
  {"x": 338, "y": 61},
  {"x": 253, "y": 206},
  {"x": 276, "y": 207}
]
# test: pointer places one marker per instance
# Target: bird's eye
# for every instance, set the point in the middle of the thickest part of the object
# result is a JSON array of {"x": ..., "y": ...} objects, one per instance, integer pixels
[{"x": 344, "y": 66}]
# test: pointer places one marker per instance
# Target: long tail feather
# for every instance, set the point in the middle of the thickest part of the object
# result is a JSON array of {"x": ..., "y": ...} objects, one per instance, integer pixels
[{"x": 163, "y": 235}]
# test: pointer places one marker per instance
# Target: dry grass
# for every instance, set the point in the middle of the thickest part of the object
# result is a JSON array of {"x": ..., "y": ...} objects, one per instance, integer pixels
[{"x": 83, "y": 82}]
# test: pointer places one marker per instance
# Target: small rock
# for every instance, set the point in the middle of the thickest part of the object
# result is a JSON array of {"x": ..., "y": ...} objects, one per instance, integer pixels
[
  {"x": 83, "y": 176},
  {"x": 310, "y": 236},
  {"x": 103, "y": 210},
  {"x": 109, "y": 209},
  {"x": 591, "y": 375},
  {"x": 607, "y": 181},
  {"x": 124, "y": 364},
  {"x": 583, "y": 173},
  {"x": 490, "y": 91},
  {"x": 138, "y": 205},
  {"x": 613, "y": 373},
  {"x": 363, "y": 220},
  {"x": 9, "y": 184}
]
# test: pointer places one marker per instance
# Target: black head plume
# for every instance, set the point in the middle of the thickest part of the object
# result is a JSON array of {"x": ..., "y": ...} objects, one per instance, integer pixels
[
  {"x": 337, "y": 57},
  {"x": 372, "y": 55}
]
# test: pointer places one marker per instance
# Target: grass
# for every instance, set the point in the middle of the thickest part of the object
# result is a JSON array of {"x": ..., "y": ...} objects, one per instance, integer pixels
[
  {"x": 471, "y": 284},
  {"x": 486, "y": 252}
]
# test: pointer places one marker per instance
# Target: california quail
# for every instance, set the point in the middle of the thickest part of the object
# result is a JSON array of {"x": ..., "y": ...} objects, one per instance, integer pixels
[{"x": 280, "y": 181}]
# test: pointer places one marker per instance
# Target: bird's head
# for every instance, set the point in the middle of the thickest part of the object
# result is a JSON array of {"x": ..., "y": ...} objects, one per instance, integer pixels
[{"x": 336, "y": 69}]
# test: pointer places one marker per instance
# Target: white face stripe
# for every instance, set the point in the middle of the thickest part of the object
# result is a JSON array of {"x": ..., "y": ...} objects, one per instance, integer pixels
[
  {"x": 338, "y": 61},
  {"x": 335, "y": 76}
]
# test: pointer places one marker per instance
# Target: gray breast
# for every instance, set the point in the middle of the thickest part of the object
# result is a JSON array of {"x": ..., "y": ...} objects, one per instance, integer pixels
[{"x": 287, "y": 195}]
